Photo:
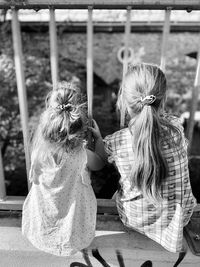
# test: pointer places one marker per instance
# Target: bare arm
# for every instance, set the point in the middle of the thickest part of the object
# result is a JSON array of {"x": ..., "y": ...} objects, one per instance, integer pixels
[
  {"x": 96, "y": 158},
  {"x": 94, "y": 162}
]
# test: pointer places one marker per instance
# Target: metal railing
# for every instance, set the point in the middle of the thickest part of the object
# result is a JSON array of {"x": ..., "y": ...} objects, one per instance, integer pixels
[
  {"x": 15, "y": 202},
  {"x": 98, "y": 4}
]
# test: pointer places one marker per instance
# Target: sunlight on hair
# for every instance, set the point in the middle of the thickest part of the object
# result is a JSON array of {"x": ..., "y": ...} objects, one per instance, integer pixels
[
  {"x": 142, "y": 96},
  {"x": 62, "y": 125}
]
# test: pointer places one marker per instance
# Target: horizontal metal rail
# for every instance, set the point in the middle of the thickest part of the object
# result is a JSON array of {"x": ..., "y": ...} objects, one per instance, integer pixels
[
  {"x": 106, "y": 4},
  {"x": 111, "y": 27},
  {"x": 103, "y": 205},
  {"x": 16, "y": 203}
]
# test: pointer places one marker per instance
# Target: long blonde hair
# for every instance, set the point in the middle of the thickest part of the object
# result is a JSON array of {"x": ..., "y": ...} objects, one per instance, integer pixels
[
  {"x": 142, "y": 95},
  {"x": 62, "y": 126}
]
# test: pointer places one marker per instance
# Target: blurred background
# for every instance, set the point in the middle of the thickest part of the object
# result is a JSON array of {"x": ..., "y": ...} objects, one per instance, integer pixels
[{"x": 109, "y": 26}]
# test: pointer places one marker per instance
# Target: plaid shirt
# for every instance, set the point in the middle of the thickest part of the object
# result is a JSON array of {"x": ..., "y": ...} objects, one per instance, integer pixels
[{"x": 164, "y": 222}]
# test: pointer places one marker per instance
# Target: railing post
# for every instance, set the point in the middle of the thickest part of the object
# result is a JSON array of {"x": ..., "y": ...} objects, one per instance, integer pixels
[
  {"x": 127, "y": 39},
  {"x": 194, "y": 102},
  {"x": 17, "y": 44},
  {"x": 90, "y": 70},
  {"x": 125, "y": 59},
  {"x": 2, "y": 180},
  {"x": 53, "y": 48},
  {"x": 90, "y": 62},
  {"x": 166, "y": 30}
]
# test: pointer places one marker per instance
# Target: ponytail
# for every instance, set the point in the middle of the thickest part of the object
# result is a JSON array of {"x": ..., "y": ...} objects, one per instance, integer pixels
[
  {"x": 151, "y": 169},
  {"x": 142, "y": 96}
]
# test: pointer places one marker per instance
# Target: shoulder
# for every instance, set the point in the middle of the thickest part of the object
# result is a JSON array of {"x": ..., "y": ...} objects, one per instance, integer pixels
[
  {"x": 176, "y": 130},
  {"x": 116, "y": 140},
  {"x": 176, "y": 121},
  {"x": 173, "y": 120},
  {"x": 117, "y": 136}
]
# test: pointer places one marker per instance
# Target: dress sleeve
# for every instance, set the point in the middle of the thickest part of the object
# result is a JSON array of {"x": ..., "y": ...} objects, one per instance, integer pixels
[
  {"x": 108, "y": 148},
  {"x": 179, "y": 125},
  {"x": 35, "y": 169}
]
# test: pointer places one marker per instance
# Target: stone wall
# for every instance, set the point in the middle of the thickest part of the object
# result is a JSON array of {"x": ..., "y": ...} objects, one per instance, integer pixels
[{"x": 180, "y": 69}]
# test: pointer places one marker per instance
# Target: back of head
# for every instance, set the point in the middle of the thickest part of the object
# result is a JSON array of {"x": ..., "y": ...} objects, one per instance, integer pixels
[
  {"x": 142, "y": 80},
  {"x": 142, "y": 96},
  {"x": 62, "y": 125}
]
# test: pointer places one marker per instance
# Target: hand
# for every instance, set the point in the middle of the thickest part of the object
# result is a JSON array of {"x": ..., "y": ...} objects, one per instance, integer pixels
[{"x": 95, "y": 130}]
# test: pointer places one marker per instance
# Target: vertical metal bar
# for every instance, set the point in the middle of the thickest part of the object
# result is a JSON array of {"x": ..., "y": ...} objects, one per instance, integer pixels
[
  {"x": 90, "y": 70},
  {"x": 166, "y": 30},
  {"x": 127, "y": 38},
  {"x": 194, "y": 103},
  {"x": 2, "y": 180},
  {"x": 17, "y": 44},
  {"x": 125, "y": 59},
  {"x": 90, "y": 62},
  {"x": 53, "y": 48}
]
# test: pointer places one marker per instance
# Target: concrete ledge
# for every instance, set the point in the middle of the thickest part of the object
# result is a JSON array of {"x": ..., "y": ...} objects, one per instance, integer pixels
[{"x": 112, "y": 242}]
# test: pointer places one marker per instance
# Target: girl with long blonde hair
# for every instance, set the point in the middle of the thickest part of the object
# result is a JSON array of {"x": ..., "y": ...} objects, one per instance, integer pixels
[
  {"x": 150, "y": 152},
  {"x": 59, "y": 213}
]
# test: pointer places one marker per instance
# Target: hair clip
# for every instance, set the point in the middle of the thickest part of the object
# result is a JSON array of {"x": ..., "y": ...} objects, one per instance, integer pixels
[
  {"x": 66, "y": 107},
  {"x": 148, "y": 100}
]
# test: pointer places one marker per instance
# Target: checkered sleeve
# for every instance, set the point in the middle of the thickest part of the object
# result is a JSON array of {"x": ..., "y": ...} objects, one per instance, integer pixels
[
  {"x": 185, "y": 140},
  {"x": 108, "y": 148},
  {"x": 189, "y": 201},
  {"x": 177, "y": 123}
]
